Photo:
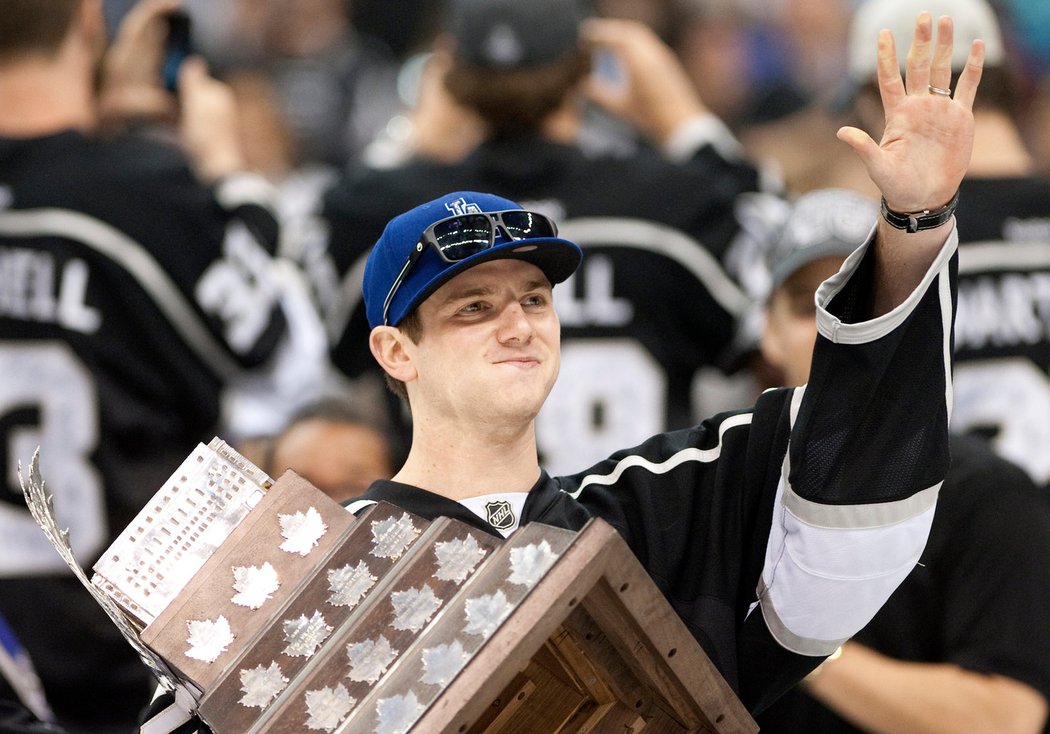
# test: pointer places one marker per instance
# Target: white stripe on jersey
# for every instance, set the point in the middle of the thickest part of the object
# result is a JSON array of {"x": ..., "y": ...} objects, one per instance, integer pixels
[
  {"x": 663, "y": 240},
  {"x": 691, "y": 454},
  {"x": 136, "y": 260},
  {"x": 358, "y": 505},
  {"x": 822, "y": 584},
  {"x": 243, "y": 188},
  {"x": 997, "y": 256}
]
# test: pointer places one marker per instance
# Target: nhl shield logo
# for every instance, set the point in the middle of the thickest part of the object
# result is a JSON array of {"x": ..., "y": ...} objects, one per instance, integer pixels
[{"x": 500, "y": 515}]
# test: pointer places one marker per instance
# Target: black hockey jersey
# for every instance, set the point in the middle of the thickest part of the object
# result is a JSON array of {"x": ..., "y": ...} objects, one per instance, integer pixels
[
  {"x": 129, "y": 294},
  {"x": 958, "y": 606},
  {"x": 1002, "y": 338}
]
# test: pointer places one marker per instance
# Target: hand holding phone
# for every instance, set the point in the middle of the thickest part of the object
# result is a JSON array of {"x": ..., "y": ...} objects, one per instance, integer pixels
[{"x": 178, "y": 46}]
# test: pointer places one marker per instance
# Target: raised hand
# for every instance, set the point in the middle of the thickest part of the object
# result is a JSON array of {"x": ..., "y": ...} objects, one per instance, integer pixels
[
  {"x": 925, "y": 148},
  {"x": 130, "y": 86}
]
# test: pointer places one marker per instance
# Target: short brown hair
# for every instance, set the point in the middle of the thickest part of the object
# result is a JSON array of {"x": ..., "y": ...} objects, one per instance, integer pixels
[
  {"x": 34, "y": 26},
  {"x": 516, "y": 101},
  {"x": 412, "y": 327}
]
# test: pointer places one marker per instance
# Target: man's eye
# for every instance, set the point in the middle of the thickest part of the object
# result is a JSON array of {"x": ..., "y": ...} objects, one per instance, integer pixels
[{"x": 536, "y": 300}]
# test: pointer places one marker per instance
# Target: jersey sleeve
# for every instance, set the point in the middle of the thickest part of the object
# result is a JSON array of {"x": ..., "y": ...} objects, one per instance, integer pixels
[{"x": 867, "y": 455}]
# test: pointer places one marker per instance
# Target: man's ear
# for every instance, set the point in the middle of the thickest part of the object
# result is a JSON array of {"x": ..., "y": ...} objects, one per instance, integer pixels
[{"x": 388, "y": 345}]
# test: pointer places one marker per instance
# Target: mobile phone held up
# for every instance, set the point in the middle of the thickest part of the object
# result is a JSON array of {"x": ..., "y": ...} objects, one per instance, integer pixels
[{"x": 178, "y": 46}]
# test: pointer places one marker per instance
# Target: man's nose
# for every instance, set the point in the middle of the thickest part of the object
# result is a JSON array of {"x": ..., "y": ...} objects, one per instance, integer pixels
[{"x": 514, "y": 325}]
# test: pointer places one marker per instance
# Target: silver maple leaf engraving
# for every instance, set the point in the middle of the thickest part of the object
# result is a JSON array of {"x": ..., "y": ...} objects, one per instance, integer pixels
[
  {"x": 349, "y": 583},
  {"x": 397, "y": 714},
  {"x": 369, "y": 659},
  {"x": 254, "y": 585},
  {"x": 413, "y": 608},
  {"x": 391, "y": 537},
  {"x": 327, "y": 707},
  {"x": 261, "y": 685},
  {"x": 485, "y": 613},
  {"x": 458, "y": 558},
  {"x": 302, "y": 531},
  {"x": 442, "y": 663},
  {"x": 528, "y": 564},
  {"x": 305, "y": 634},
  {"x": 208, "y": 638}
]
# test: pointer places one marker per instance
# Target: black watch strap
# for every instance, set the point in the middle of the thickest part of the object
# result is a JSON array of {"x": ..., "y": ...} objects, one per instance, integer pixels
[{"x": 918, "y": 221}]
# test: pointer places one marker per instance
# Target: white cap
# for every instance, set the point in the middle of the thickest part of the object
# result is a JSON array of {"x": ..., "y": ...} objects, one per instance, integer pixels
[
  {"x": 971, "y": 19},
  {"x": 822, "y": 223}
]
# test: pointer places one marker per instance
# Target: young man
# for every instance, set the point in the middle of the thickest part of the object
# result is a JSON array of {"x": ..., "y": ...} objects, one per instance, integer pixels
[
  {"x": 952, "y": 650},
  {"x": 775, "y": 533}
]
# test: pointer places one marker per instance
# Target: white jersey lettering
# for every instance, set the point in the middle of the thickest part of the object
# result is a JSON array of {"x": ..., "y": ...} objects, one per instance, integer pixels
[{"x": 30, "y": 290}]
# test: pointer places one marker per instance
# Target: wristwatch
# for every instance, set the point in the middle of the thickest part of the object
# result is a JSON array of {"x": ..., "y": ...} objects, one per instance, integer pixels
[{"x": 918, "y": 221}]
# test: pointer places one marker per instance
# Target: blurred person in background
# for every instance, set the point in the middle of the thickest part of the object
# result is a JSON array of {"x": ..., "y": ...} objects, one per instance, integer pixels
[
  {"x": 1002, "y": 374},
  {"x": 136, "y": 254},
  {"x": 335, "y": 87},
  {"x": 663, "y": 214},
  {"x": 336, "y": 446},
  {"x": 959, "y": 645}
]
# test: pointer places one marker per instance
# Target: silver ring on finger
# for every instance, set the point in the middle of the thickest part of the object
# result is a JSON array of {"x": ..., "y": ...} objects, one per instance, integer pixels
[{"x": 938, "y": 90}]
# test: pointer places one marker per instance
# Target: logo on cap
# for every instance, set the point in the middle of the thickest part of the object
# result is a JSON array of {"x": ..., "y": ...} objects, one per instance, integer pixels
[
  {"x": 504, "y": 46},
  {"x": 459, "y": 207},
  {"x": 499, "y": 514}
]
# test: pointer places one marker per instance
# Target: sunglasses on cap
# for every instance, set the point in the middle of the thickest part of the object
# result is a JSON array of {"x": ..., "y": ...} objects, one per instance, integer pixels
[{"x": 458, "y": 237}]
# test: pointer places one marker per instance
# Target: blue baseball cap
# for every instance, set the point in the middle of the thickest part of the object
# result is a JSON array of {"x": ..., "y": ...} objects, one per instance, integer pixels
[{"x": 557, "y": 258}]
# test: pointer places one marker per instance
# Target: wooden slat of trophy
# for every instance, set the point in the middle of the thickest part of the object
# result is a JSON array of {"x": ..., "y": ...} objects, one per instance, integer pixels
[
  {"x": 359, "y": 653},
  {"x": 327, "y": 597},
  {"x": 593, "y": 647},
  {"x": 255, "y": 571}
]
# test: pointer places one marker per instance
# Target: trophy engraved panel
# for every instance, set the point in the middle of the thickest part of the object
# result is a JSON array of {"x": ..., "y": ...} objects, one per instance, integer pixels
[{"x": 206, "y": 498}]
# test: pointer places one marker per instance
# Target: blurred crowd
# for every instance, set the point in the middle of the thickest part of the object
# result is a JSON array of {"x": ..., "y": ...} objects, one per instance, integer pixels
[{"x": 303, "y": 64}]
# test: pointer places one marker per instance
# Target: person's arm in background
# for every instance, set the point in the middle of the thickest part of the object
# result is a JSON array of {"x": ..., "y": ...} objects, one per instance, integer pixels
[
  {"x": 887, "y": 696},
  {"x": 229, "y": 209},
  {"x": 649, "y": 89}
]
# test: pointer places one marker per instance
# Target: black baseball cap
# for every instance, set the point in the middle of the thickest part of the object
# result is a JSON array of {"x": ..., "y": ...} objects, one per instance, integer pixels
[{"x": 514, "y": 34}]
